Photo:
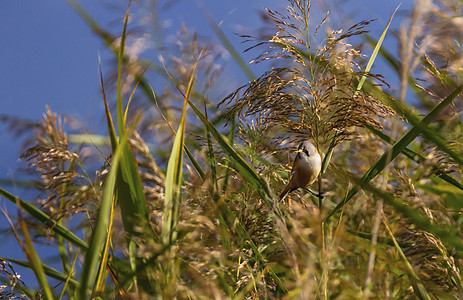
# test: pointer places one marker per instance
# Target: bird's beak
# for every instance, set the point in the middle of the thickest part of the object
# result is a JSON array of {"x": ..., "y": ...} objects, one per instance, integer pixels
[{"x": 299, "y": 151}]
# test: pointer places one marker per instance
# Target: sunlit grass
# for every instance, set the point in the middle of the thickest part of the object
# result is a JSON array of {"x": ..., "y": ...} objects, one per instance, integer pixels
[{"x": 156, "y": 225}]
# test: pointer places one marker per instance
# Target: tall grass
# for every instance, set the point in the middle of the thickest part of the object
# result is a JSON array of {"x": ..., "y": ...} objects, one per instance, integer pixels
[{"x": 156, "y": 225}]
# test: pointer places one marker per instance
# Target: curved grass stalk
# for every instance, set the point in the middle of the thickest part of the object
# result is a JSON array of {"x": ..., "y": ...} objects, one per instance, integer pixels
[
  {"x": 45, "y": 219},
  {"x": 418, "y": 287}
]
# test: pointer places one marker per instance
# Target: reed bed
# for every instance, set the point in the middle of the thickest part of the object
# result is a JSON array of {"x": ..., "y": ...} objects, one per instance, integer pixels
[{"x": 178, "y": 198}]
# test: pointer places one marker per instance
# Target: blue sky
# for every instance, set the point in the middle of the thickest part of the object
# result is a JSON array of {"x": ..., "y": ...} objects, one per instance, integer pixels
[{"x": 50, "y": 57}]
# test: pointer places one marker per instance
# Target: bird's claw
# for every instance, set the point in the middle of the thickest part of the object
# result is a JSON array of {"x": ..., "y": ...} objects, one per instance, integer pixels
[{"x": 320, "y": 195}]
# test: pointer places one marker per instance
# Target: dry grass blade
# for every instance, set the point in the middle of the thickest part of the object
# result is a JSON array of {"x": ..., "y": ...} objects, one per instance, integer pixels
[
  {"x": 35, "y": 262},
  {"x": 103, "y": 265},
  {"x": 418, "y": 286},
  {"x": 70, "y": 275}
]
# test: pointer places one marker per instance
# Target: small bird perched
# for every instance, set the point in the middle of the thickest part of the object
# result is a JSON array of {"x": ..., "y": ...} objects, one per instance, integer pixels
[{"x": 306, "y": 167}]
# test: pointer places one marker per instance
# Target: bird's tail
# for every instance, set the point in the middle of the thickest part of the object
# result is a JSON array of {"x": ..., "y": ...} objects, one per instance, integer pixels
[{"x": 286, "y": 191}]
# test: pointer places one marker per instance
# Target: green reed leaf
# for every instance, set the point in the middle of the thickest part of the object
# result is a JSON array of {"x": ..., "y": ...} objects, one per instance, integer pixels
[
  {"x": 399, "y": 146},
  {"x": 375, "y": 51},
  {"x": 174, "y": 171},
  {"x": 45, "y": 219}
]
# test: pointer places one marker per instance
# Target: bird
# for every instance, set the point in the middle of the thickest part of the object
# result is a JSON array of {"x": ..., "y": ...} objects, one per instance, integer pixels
[{"x": 306, "y": 167}]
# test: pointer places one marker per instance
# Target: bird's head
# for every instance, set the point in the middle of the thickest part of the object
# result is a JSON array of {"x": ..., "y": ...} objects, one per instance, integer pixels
[{"x": 308, "y": 148}]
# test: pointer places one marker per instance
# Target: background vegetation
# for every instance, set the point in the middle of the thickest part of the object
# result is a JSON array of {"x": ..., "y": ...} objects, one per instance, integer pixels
[{"x": 193, "y": 212}]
